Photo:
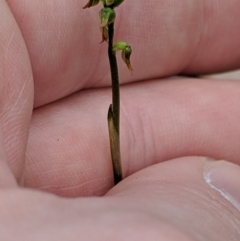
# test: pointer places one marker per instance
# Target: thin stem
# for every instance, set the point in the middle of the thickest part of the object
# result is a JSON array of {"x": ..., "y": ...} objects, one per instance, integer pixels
[
  {"x": 114, "y": 110},
  {"x": 115, "y": 78}
]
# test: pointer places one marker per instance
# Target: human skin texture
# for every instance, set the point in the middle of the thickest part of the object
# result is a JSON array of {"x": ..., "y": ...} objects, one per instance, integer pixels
[{"x": 56, "y": 180}]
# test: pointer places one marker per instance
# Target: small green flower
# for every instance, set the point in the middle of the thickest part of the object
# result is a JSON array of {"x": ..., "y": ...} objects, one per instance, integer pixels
[
  {"x": 107, "y": 16},
  {"x": 126, "y": 52},
  {"x": 91, "y": 3}
]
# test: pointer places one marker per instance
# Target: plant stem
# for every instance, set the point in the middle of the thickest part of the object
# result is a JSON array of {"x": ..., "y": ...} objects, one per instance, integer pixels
[
  {"x": 115, "y": 78},
  {"x": 114, "y": 110}
]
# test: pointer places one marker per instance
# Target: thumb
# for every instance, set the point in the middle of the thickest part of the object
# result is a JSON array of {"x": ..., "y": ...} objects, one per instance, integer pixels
[{"x": 194, "y": 194}]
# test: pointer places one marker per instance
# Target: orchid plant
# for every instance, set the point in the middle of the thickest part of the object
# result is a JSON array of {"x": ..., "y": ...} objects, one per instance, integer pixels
[{"x": 107, "y": 17}]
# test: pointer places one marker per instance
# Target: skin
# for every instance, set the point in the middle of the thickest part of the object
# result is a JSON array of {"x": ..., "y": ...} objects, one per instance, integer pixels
[{"x": 51, "y": 61}]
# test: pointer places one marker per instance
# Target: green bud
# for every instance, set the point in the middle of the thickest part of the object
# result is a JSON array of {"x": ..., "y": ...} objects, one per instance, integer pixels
[
  {"x": 91, "y": 3},
  {"x": 126, "y": 52},
  {"x": 107, "y": 16}
]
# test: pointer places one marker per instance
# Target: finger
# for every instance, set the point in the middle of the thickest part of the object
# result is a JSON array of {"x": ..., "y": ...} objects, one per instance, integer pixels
[
  {"x": 68, "y": 150},
  {"x": 7, "y": 179},
  {"x": 16, "y": 99},
  {"x": 231, "y": 75},
  {"x": 182, "y": 190},
  {"x": 167, "y": 38},
  {"x": 169, "y": 201}
]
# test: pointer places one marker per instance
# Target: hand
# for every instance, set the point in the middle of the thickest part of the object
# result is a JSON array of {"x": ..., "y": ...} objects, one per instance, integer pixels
[{"x": 54, "y": 44}]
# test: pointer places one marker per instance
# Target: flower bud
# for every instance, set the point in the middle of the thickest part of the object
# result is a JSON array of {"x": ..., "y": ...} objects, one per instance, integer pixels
[
  {"x": 91, "y": 3},
  {"x": 107, "y": 16},
  {"x": 126, "y": 52}
]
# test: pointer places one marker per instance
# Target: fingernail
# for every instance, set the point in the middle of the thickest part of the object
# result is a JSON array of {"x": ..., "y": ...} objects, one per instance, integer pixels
[{"x": 224, "y": 177}]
